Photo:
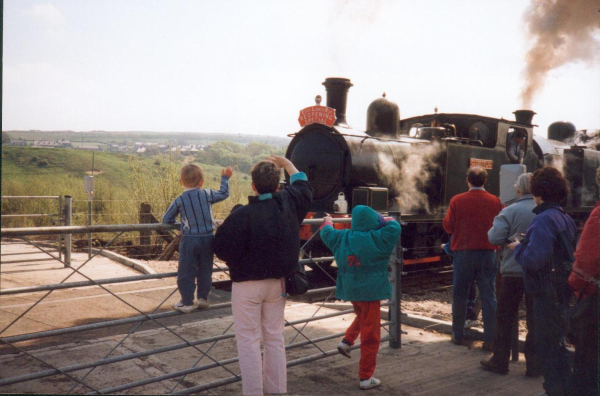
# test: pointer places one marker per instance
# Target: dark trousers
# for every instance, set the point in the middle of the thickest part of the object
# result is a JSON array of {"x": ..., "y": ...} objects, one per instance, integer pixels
[
  {"x": 550, "y": 328},
  {"x": 509, "y": 299},
  {"x": 482, "y": 266},
  {"x": 585, "y": 365},
  {"x": 195, "y": 265}
]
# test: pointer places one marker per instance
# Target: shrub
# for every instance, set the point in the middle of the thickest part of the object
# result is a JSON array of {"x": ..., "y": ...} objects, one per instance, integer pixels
[
  {"x": 33, "y": 159},
  {"x": 42, "y": 163}
]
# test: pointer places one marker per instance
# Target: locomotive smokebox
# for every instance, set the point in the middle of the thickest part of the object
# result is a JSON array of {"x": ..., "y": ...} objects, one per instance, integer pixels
[
  {"x": 337, "y": 97},
  {"x": 383, "y": 118},
  {"x": 524, "y": 116}
]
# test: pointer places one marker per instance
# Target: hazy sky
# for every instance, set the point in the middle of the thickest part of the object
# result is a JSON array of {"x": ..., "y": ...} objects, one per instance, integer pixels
[{"x": 250, "y": 66}]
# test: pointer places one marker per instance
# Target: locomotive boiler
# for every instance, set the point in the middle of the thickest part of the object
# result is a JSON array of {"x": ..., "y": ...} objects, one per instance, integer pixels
[{"x": 416, "y": 165}]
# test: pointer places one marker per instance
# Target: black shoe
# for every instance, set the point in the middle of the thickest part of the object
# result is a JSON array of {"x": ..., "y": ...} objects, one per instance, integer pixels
[
  {"x": 459, "y": 341},
  {"x": 490, "y": 365},
  {"x": 488, "y": 346},
  {"x": 533, "y": 373}
]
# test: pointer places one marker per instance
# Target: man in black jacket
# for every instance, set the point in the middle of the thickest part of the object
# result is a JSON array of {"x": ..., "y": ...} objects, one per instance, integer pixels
[{"x": 260, "y": 243}]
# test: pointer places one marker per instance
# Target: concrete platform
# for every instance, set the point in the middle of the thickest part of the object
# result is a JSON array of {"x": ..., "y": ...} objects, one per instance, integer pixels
[
  {"x": 427, "y": 364},
  {"x": 77, "y": 306}
]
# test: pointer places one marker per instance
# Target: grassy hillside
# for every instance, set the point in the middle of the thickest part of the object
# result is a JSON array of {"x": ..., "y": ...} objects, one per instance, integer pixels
[
  {"x": 152, "y": 137},
  {"x": 122, "y": 182}
]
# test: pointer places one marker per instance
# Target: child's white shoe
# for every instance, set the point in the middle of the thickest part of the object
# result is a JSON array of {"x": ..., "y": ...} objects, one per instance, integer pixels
[
  {"x": 370, "y": 383},
  {"x": 344, "y": 348},
  {"x": 202, "y": 303},
  {"x": 184, "y": 308}
]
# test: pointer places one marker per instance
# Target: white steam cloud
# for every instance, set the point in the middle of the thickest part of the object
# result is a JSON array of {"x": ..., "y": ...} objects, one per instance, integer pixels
[{"x": 409, "y": 176}]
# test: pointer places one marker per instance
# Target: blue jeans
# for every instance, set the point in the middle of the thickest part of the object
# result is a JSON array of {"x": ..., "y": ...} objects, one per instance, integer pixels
[
  {"x": 195, "y": 264},
  {"x": 482, "y": 266}
]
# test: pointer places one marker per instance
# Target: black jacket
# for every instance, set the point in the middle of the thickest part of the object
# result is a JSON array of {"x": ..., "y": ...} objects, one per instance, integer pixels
[{"x": 262, "y": 239}]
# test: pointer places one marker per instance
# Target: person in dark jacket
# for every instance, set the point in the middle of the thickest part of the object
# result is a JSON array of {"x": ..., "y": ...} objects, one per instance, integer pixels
[
  {"x": 513, "y": 219},
  {"x": 584, "y": 281},
  {"x": 546, "y": 254},
  {"x": 514, "y": 144},
  {"x": 260, "y": 243},
  {"x": 362, "y": 254}
]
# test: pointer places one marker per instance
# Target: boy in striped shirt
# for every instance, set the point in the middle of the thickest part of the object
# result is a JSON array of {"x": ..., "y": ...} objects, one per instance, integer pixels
[{"x": 194, "y": 206}]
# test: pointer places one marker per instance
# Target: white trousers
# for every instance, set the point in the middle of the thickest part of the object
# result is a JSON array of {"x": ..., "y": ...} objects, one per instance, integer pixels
[{"x": 258, "y": 309}]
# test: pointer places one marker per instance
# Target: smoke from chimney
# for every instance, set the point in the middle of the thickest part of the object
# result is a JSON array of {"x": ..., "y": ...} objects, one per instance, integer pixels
[{"x": 562, "y": 32}]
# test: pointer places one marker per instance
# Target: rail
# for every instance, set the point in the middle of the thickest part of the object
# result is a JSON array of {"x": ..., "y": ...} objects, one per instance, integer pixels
[
  {"x": 392, "y": 326},
  {"x": 60, "y": 216}
]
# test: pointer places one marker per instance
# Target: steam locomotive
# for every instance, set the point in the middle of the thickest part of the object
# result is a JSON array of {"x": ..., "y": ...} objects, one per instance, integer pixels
[{"x": 416, "y": 165}]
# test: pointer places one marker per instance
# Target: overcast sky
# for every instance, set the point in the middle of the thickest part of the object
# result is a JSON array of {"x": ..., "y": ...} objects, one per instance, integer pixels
[{"x": 249, "y": 66}]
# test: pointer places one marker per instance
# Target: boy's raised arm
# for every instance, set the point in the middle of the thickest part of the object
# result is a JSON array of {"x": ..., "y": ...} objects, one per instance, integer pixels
[
  {"x": 284, "y": 163},
  {"x": 223, "y": 193}
]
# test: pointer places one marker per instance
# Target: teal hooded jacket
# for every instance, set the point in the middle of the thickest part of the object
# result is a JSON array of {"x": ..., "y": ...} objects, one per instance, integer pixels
[{"x": 362, "y": 255}]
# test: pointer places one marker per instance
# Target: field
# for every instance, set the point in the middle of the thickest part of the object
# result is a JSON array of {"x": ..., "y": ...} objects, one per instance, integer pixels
[
  {"x": 122, "y": 182},
  {"x": 182, "y": 138}
]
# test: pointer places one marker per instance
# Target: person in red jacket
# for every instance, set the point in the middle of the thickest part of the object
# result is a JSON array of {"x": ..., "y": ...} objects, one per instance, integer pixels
[
  {"x": 583, "y": 280},
  {"x": 470, "y": 216}
]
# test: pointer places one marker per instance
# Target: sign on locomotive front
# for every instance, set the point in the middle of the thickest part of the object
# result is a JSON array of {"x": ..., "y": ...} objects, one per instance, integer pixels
[{"x": 317, "y": 115}]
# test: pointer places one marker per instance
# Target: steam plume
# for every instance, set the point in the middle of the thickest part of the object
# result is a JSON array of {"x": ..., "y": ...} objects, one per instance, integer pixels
[
  {"x": 562, "y": 32},
  {"x": 408, "y": 177}
]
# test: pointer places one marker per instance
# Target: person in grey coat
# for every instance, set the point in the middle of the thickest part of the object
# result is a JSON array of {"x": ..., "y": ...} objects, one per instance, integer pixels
[{"x": 513, "y": 219}]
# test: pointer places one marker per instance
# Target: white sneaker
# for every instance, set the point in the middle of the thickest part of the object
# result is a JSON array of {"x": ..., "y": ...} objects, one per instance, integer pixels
[
  {"x": 370, "y": 383},
  {"x": 344, "y": 349},
  {"x": 202, "y": 303},
  {"x": 184, "y": 308},
  {"x": 471, "y": 323}
]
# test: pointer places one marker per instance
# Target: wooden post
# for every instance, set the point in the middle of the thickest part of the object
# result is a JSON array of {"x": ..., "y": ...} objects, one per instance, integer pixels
[{"x": 145, "y": 236}]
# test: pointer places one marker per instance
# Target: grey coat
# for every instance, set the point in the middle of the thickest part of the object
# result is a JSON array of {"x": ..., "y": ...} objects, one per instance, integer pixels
[{"x": 511, "y": 220}]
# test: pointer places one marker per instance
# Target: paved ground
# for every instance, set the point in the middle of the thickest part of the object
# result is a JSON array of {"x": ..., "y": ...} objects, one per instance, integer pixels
[{"x": 427, "y": 364}]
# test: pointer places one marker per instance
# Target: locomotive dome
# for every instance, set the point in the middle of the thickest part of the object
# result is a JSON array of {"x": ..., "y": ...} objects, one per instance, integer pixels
[{"x": 383, "y": 118}]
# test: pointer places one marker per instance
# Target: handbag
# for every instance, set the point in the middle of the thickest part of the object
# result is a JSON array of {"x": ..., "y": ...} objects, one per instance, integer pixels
[{"x": 296, "y": 283}]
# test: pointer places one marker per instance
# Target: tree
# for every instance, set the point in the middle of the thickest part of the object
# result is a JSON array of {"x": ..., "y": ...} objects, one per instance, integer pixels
[{"x": 6, "y": 138}]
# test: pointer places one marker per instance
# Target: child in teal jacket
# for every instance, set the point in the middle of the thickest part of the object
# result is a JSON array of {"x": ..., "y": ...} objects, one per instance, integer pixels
[{"x": 362, "y": 255}]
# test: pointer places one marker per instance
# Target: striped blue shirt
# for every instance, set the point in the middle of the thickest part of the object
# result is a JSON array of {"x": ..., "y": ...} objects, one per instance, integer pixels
[{"x": 195, "y": 207}]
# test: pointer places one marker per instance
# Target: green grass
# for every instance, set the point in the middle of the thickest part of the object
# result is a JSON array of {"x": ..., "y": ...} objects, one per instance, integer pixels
[{"x": 122, "y": 182}]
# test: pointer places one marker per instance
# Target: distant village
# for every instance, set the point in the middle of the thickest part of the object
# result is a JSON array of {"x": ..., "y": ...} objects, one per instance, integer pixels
[{"x": 133, "y": 148}]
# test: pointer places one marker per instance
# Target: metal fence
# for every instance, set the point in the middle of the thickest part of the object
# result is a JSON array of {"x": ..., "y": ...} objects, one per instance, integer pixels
[
  {"x": 80, "y": 376},
  {"x": 57, "y": 219}
]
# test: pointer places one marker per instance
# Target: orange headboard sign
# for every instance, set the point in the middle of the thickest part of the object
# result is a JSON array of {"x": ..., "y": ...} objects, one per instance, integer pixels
[{"x": 317, "y": 115}]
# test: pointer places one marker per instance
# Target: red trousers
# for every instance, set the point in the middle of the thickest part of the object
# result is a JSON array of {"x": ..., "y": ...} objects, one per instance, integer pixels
[{"x": 368, "y": 324}]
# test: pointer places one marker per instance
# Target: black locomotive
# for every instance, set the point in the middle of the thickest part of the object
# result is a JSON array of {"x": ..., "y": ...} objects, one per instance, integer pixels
[{"x": 416, "y": 165}]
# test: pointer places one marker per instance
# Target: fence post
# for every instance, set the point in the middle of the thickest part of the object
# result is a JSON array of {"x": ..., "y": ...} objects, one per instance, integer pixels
[
  {"x": 60, "y": 217},
  {"x": 68, "y": 218},
  {"x": 397, "y": 265},
  {"x": 145, "y": 236}
]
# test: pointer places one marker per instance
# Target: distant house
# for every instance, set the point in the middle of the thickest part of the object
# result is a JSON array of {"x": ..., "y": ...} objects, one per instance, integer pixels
[
  {"x": 140, "y": 150},
  {"x": 90, "y": 148},
  {"x": 45, "y": 144},
  {"x": 65, "y": 143},
  {"x": 18, "y": 142}
]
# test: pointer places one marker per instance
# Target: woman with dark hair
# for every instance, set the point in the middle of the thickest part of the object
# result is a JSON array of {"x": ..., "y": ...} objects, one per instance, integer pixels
[{"x": 546, "y": 254}]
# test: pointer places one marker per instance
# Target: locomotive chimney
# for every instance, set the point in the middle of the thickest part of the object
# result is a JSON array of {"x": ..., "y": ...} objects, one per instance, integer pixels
[
  {"x": 337, "y": 97},
  {"x": 524, "y": 116}
]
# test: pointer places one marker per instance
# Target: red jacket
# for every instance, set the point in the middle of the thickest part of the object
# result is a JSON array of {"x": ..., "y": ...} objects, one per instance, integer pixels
[
  {"x": 587, "y": 253},
  {"x": 469, "y": 218}
]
